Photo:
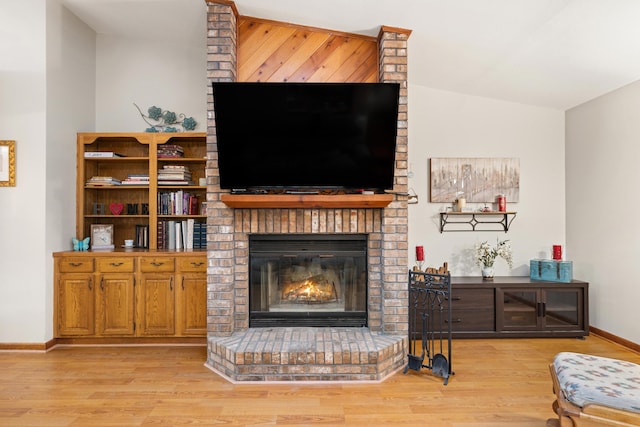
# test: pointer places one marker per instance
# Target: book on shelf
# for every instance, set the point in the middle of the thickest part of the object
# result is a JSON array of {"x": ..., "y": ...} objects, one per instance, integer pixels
[
  {"x": 160, "y": 234},
  {"x": 101, "y": 154},
  {"x": 102, "y": 247},
  {"x": 142, "y": 236},
  {"x": 182, "y": 234},
  {"x": 188, "y": 244},
  {"x": 178, "y": 235},
  {"x": 97, "y": 181},
  {"x": 174, "y": 176},
  {"x": 174, "y": 173},
  {"x": 136, "y": 179},
  {"x": 177, "y": 202},
  {"x": 194, "y": 206},
  {"x": 171, "y": 234},
  {"x": 132, "y": 182},
  {"x": 176, "y": 182},
  {"x": 175, "y": 167},
  {"x": 170, "y": 151}
]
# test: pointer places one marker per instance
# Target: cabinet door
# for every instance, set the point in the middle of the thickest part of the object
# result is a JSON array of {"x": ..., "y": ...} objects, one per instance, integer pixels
[
  {"x": 76, "y": 314},
  {"x": 192, "y": 304},
  {"x": 518, "y": 309},
  {"x": 115, "y": 307},
  {"x": 563, "y": 308},
  {"x": 157, "y": 303}
]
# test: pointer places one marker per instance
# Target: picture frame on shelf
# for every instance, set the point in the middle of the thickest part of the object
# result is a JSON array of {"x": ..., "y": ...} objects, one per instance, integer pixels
[
  {"x": 102, "y": 236},
  {"x": 7, "y": 163}
]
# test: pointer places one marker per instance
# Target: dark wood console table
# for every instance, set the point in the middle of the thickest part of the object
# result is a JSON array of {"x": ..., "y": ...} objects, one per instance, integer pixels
[{"x": 518, "y": 307}]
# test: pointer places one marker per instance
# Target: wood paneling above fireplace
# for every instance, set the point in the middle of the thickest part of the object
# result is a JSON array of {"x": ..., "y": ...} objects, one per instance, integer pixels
[{"x": 270, "y": 51}]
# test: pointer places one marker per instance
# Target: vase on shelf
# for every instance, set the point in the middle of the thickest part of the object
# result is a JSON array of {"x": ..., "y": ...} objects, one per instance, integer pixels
[{"x": 487, "y": 273}]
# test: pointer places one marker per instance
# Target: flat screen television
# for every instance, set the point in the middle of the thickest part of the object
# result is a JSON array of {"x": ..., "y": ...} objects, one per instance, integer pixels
[{"x": 306, "y": 136}]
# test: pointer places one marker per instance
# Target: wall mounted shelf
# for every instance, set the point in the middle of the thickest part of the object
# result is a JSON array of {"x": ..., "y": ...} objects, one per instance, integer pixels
[
  {"x": 310, "y": 201},
  {"x": 476, "y": 221}
]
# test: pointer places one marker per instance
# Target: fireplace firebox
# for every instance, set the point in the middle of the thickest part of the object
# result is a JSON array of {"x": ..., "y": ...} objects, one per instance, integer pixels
[{"x": 308, "y": 280}]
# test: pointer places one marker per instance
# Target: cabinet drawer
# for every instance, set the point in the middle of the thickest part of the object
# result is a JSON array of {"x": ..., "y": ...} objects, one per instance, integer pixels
[
  {"x": 195, "y": 264},
  {"x": 76, "y": 265},
  {"x": 472, "y": 298},
  {"x": 156, "y": 264},
  {"x": 473, "y": 320},
  {"x": 110, "y": 265}
]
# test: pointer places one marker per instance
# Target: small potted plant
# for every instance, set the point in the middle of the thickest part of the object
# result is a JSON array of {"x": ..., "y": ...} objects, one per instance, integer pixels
[{"x": 485, "y": 256}]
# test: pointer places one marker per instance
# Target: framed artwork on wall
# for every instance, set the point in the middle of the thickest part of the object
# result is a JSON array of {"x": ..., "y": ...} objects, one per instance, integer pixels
[
  {"x": 478, "y": 180},
  {"x": 7, "y": 163}
]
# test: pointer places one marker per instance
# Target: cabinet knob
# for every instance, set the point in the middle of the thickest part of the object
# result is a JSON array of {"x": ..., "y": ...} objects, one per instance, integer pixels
[
  {"x": 196, "y": 264},
  {"x": 116, "y": 264},
  {"x": 458, "y": 320},
  {"x": 157, "y": 264},
  {"x": 75, "y": 264}
]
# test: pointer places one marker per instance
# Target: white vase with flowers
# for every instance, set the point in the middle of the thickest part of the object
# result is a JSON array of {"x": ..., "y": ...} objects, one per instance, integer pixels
[{"x": 485, "y": 256}]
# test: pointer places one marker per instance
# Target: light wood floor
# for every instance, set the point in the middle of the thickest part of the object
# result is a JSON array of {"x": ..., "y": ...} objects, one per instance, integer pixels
[{"x": 496, "y": 383}]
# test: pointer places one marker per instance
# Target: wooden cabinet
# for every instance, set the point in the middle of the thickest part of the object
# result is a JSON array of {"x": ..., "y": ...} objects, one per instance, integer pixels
[
  {"x": 518, "y": 307},
  {"x": 115, "y": 296},
  {"x": 472, "y": 310},
  {"x": 191, "y": 291},
  {"x": 134, "y": 200},
  {"x": 130, "y": 294},
  {"x": 139, "y": 183},
  {"x": 157, "y": 295},
  {"x": 75, "y": 298}
]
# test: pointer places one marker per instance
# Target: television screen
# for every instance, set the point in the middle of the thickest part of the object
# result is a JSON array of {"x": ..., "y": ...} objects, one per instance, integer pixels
[{"x": 306, "y": 136}]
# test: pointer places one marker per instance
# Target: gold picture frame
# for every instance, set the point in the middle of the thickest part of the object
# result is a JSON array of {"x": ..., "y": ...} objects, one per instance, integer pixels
[{"x": 7, "y": 163}]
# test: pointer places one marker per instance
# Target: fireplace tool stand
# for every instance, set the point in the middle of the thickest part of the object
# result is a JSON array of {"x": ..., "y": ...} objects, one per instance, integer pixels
[{"x": 430, "y": 323}]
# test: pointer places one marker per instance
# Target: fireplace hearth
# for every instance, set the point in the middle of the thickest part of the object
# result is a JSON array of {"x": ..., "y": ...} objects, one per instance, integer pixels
[{"x": 308, "y": 280}]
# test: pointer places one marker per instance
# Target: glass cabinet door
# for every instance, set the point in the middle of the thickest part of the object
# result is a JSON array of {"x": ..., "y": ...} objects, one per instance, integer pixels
[
  {"x": 562, "y": 308},
  {"x": 518, "y": 309}
]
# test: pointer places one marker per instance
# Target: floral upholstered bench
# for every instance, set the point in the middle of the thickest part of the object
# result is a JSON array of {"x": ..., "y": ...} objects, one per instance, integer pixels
[{"x": 595, "y": 391}]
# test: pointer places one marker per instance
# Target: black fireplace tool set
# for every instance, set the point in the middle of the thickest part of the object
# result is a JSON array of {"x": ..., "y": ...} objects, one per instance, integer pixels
[{"x": 430, "y": 323}]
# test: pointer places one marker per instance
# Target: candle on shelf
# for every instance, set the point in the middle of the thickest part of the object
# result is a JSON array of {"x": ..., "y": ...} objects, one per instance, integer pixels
[
  {"x": 557, "y": 252},
  {"x": 419, "y": 253}
]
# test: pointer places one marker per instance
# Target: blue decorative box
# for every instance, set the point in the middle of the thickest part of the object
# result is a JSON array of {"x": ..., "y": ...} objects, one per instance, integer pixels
[{"x": 551, "y": 270}]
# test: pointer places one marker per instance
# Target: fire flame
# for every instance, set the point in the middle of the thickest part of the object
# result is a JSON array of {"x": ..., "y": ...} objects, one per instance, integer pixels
[{"x": 314, "y": 289}]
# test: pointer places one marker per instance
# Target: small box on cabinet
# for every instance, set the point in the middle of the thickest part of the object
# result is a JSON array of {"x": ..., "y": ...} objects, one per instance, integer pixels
[{"x": 551, "y": 270}]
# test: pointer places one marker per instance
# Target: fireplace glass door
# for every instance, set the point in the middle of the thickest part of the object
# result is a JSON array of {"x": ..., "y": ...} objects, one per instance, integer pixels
[{"x": 308, "y": 280}]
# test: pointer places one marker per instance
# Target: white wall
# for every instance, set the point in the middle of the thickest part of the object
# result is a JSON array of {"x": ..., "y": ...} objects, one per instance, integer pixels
[
  {"x": 447, "y": 124},
  {"x": 23, "y": 209},
  {"x": 603, "y": 150},
  {"x": 71, "y": 69},
  {"x": 172, "y": 77},
  {"x": 38, "y": 77}
]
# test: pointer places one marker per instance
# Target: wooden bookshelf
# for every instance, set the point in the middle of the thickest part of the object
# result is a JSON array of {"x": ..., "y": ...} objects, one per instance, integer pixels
[{"x": 139, "y": 156}]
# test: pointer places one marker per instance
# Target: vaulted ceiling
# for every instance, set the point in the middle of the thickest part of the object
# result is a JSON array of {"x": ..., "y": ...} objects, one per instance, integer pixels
[{"x": 549, "y": 53}]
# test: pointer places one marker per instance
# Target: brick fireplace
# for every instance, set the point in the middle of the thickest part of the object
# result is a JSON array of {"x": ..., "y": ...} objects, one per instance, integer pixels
[{"x": 241, "y": 353}]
